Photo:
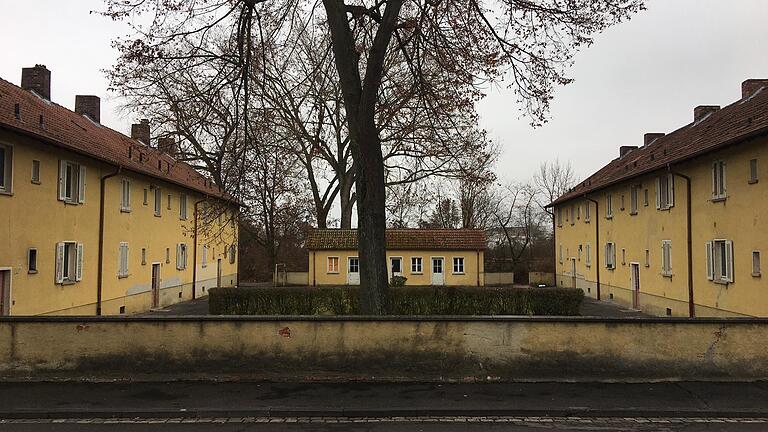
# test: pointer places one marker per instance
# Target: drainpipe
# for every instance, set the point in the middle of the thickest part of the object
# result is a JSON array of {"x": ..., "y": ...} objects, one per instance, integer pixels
[
  {"x": 554, "y": 244},
  {"x": 597, "y": 241},
  {"x": 478, "y": 268},
  {"x": 102, "y": 194},
  {"x": 689, "y": 219},
  {"x": 194, "y": 250}
]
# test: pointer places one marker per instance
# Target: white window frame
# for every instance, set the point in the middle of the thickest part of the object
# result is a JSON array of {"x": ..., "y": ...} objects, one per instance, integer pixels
[
  {"x": 328, "y": 265},
  {"x": 204, "y": 258},
  {"x": 69, "y": 262},
  {"x": 609, "y": 206},
  {"x": 125, "y": 195},
  {"x": 610, "y": 255},
  {"x": 719, "y": 181},
  {"x": 756, "y": 264},
  {"x": 35, "y": 176},
  {"x": 587, "y": 215},
  {"x": 183, "y": 206},
  {"x": 77, "y": 186},
  {"x": 666, "y": 258},
  {"x": 588, "y": 255},
  {"x": 391, "y": 265},
  {"x": 458, "y": 265},
  {"x": 123, "y": 257},
  {"x": 665, "y": 192},
  {"x": 158, "y": 201},
  {"x": 634, "y": 199},
  {"x": 719, "y": 256},
  {"x": 6, "y": 183},
  {"x": 349, "y": 264},
  {"x": 417, "y": 265},
  {"x": 181, "y": 256}
]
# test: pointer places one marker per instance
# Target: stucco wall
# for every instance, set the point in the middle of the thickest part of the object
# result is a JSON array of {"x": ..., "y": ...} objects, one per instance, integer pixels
[
  {"x": 507, "y": 278},
  {"x": 438, "y": 348}
]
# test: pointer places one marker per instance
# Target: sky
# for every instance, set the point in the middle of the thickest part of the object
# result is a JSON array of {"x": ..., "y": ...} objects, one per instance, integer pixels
[{"x": 645, "y": 75}]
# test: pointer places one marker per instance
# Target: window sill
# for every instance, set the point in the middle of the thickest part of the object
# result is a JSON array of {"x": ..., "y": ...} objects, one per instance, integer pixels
[
  {"x": 417, "y": 273},
  {"x": 718, "y": 199},
  {"x": 327, "y": 273},
  {"x": 633, "y": 213},
  {"x": 66, "y": 283},
  {"x": 458, "y": 273},
  {"x": 609, "y": 217},
  {"x": 35, "y": 272},
  {"x": 122, "y": 276},
  {"x": 721, "y": 282},
  {"x": 667, "y": 275},
  {"x": 8, "y": 193},
  {"x": 586, "y": 220},
  {"x": 35, "y": 182},
  {"x": 157, "y": 215},
  {"x": 125, "y": 210},
  {"x": 757, "y": 275},
  {"x": 752, "y": 181},
  {"x": 664, "y": 208}
]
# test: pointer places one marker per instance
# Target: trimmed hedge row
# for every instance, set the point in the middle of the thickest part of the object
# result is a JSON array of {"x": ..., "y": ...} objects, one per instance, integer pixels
[{"x": 405, "y": 301}]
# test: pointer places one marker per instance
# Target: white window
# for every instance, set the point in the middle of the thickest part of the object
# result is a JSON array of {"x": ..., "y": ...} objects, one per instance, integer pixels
[
  {"x": 125, "y": 197},
  {"x": 720, "y": 261},
  {"x": 666, "y": 257},
  {"x": 122, "y": 271},
  {"x": 205, "y": 259},
  {"x": 755, "y": 263},
  {"x": 232, "y": 253},
  {"x": 561, "y": 253},
  {"x": 333, "y": 264},
  {"x": 610, "y": 255},
  {"x": 753, "y": 173},
  {"x": 586, "y": 212},
  {"x": 633, "y": 199},
  {"x": 354, "y": 265},
  {"x": 71, "y": 182},
  {"x": 417, "y": 265},
  {"x": 36, "y": 171},
  {"x": 69, "y": 262},
  {"x": 609, "y": 206},
  {"x": 158, "y": 201},
  {"x": 6, "y": 168},
  {"x": 396, "y": 265},
  {"x": 181, "y": 256},
  {"x": 588, "y": 253},
  {"x": 665, "y": 192},
  {"x": 718, "y": 180},
  {"x": 183, "y": 207},
  {"x": 458, "y": 265},
  {"x": 559, "y": 216}
]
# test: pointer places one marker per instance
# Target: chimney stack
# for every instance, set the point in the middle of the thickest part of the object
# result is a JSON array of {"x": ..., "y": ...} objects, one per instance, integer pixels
[
  {"x": 88, "y": 105},
  {"x": 167, "y": 145},
  {"x": 651, "y": 137},
  {"x": 751, "y": 86},
  {"x": 625, "y": 150},
  {"x": 702, "y": 111},
  {"x": 140, "y": 131},
  {"x": 38, "y": 80}
]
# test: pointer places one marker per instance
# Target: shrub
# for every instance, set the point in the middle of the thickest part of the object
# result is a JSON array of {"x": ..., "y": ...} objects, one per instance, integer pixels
[
  {"x": 398, "y": 281},
  {"x": 405, "y": 301}
]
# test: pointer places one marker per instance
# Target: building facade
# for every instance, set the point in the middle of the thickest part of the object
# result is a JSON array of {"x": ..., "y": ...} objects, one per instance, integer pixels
[
  {"x": 423, "y": 257},
  {"x": 677, "y": 226},
  {"x": 96, "y": 222}
]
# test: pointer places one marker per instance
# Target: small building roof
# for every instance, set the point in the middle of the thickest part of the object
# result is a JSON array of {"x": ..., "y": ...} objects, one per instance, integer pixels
[{"x": 401, "y": 239}]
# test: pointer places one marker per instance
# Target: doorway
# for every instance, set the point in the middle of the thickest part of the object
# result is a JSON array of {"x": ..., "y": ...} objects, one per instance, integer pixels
[
  {"x": 635, "y": 284},
  {"x": 155, "y": 286},
  {"x": 5, "y": 292},
  {"x": 353, "y": 271},
  {"x": 438, "y": 271}
]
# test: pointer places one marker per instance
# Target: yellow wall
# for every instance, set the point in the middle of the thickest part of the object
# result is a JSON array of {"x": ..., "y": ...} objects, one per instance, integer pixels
[
  {"x": 739, "y": 218},
  {"x": 33, "y": 217},
  {"x": 473, "y": 266}
]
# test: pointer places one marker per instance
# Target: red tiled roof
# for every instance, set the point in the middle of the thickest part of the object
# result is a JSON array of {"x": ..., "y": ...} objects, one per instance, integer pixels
[
  {"x": 72, "y": 131},
  {"x": 401, "y": 239},
  {"x": 744, "y": 119}
]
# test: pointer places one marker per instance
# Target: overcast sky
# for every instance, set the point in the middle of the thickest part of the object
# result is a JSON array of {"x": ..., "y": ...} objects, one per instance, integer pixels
[{"x": 645, "y": 75}]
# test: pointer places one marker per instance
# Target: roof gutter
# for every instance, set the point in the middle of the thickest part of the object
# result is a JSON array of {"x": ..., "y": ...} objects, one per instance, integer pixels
[
  {"x": 689, "y": 241},
  {"x": 100, "y": 272}
]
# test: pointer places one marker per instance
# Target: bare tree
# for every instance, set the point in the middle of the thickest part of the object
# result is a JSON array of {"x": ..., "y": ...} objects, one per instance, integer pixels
[
  {"x": 518, "y": 218},
  {"x": 551, "y": 181}
]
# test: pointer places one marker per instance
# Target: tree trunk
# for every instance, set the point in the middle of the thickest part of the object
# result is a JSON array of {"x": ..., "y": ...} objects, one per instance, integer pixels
[{"x": 347, "y": 201}]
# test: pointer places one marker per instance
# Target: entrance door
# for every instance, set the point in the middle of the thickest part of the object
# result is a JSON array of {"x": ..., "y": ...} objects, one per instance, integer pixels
[
  {"x": 353, "y": 271},
  {"x": 155, "y": 285},
  {"x": 5, "y": 292},
  {"x": 438, "y": 271},
  {"x": 635, "y": 285},
  {"x": 573, "y": 271},
  {"x": 218, "y": 273}
]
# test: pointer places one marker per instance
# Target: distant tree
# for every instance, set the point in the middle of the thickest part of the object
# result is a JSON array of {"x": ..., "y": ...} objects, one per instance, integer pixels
[{"x": 552, "y": 180}]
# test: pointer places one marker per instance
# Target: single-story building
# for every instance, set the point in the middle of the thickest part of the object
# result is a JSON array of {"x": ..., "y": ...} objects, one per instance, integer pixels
[{"x": 423, "y": 256}]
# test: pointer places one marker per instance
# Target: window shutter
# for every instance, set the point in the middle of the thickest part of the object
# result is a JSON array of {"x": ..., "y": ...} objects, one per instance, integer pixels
[
  {"x": 671, "y": 186},
  {"x": 658, "y": 192},
  {"x": 710, "y": 263},
  {"x": 79, "y": 263},
  {"x": 62, "y": 172},
  {"x": 722, "y": 179},
  {"x": 714, "y": 179},
  {"x": 729, "y": 260},
  {"x": 59, "y": 263},
  {"x": 178, "y": 257},
  {"x": 81, "y": 185}
]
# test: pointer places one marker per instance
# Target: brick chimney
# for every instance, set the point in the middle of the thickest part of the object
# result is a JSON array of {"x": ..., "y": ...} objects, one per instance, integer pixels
[
  {"x": 167, "y": 145},
  {"x": 702, "y": 111},
  {"x": 751, "y": 86},
  {"x": 140, "y": 131},
  {"x": 88, "y": 105},
  {"x": 625, "y": 150},
  {"x": 651, "y": 137},
  {"x": 37, "y": 79}
]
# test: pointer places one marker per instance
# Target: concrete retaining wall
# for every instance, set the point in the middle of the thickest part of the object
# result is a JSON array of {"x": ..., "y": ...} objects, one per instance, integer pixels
[
  {"x": 291, "y": 278},
  {"x": 541, "y": 278},
  {"x": 391, "y": 348},
  {"x": 507, "y": 278}
]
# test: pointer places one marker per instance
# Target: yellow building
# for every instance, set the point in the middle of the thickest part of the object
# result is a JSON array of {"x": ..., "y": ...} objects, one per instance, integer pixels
[
  {"x": 677, "y": 226},
  {"x": 96, "y": 222},
  {"x": 423, "y": 257}
]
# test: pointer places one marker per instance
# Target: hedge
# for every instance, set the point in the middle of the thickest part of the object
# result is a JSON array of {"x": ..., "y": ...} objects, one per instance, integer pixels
[{"x": 405, "y": 301}]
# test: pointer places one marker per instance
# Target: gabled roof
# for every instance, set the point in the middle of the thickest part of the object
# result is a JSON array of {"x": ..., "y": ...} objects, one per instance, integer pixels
[
  {"x": 401, "y": 239},
  {"x": 67, "y": 129},
  {"x": 743, "y": 119}
]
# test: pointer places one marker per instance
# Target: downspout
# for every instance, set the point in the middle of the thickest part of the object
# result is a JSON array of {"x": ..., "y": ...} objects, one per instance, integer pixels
[
  {"x": 194, "y": 250},
  {"x": 554, "y": 244},
  {"x": 597, "y": 242},
  {"x": 314, "y": 269},
  {"x": 102, "y": 194},
  {"x": 478, "y": 268},
  {"x": 689, "y": 240}
]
